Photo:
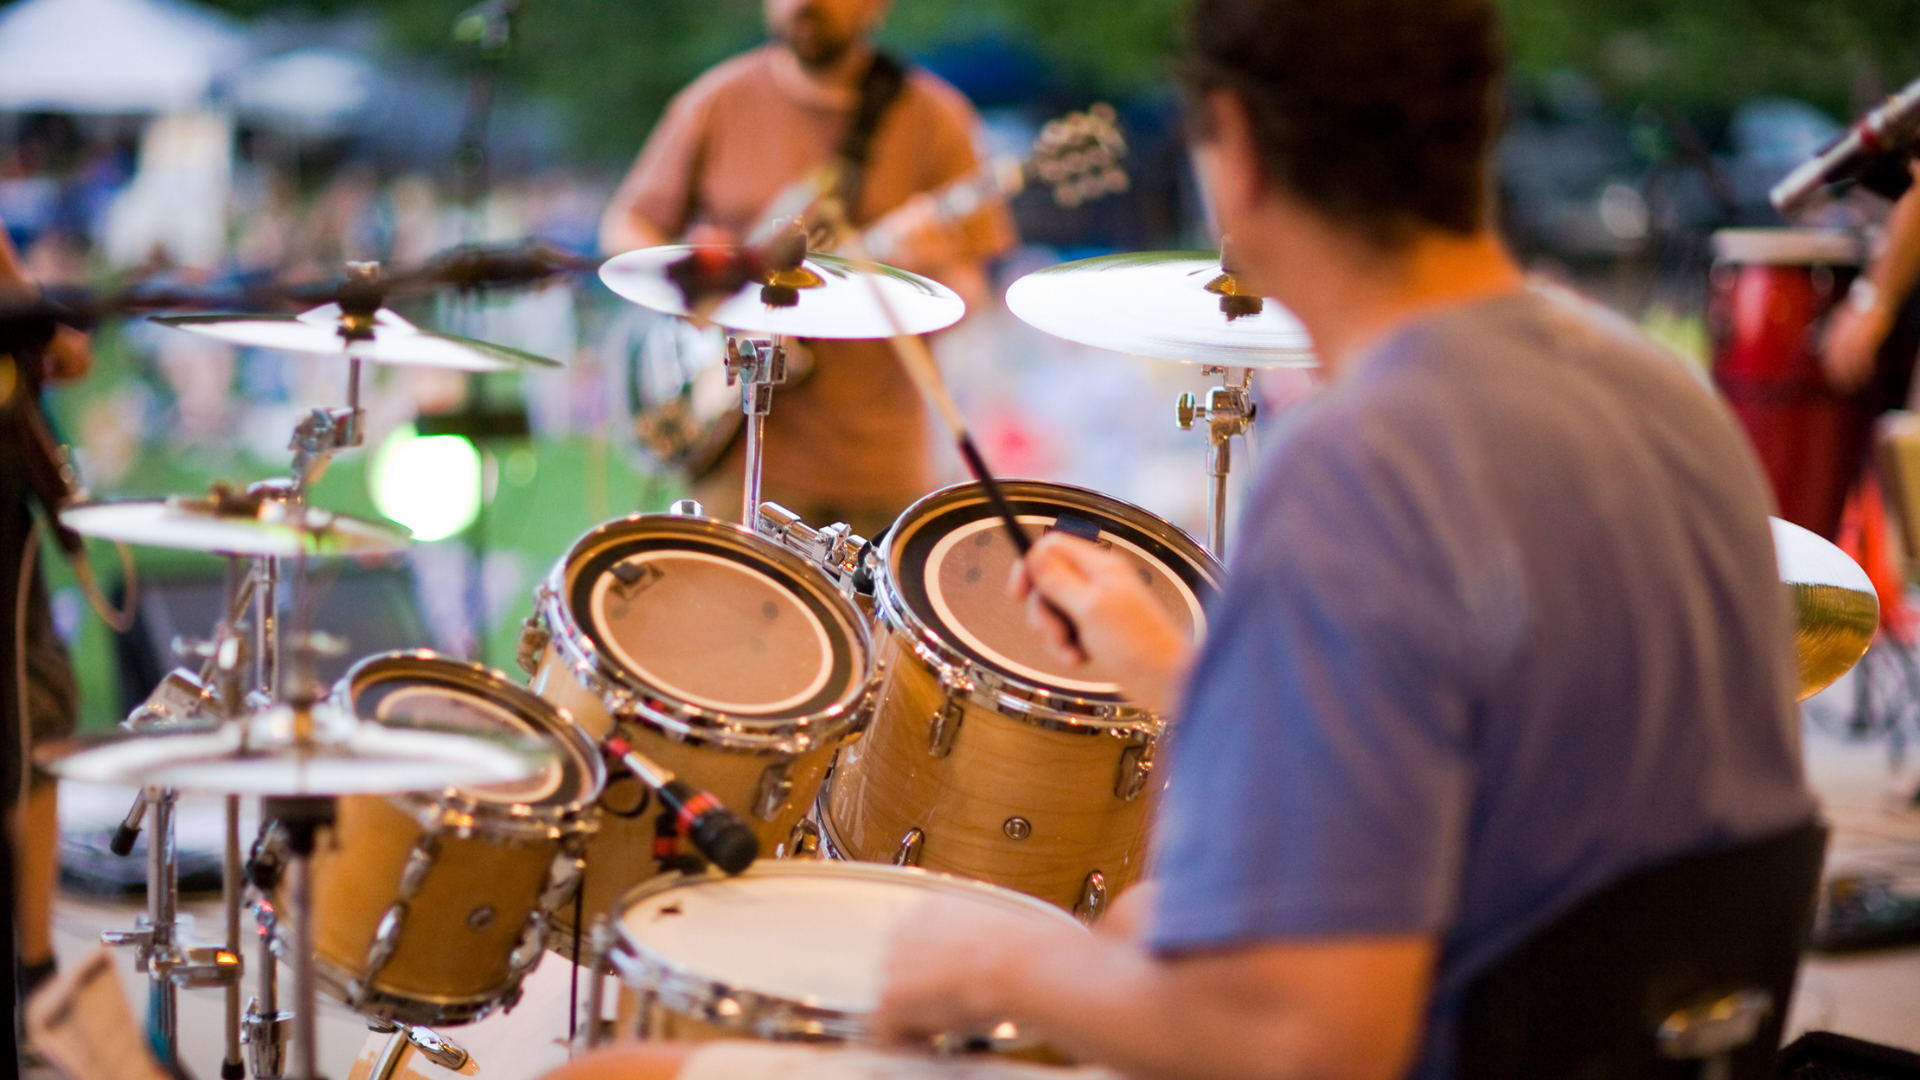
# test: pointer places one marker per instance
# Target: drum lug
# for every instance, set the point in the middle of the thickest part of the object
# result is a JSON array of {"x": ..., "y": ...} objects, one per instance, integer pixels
[
  {"x": 562, "y": 878},
  {"x": 776, "y": 788},
  {"x": 533, "y": 940},
  {"x": 419, "y": 862},
  {"x": 386, "y": 939},
  {"x": 1093, "y": 898},
  {"x": 910, "y": 845},
  {"x": 946, "y": 724},
  {"x": 804, "y": 841},
  {"x": 1136, "y": 768},
  {"x": 534, "y": 637}
]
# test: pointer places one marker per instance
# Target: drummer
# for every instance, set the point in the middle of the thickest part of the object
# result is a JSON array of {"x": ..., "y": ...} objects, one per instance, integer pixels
[{"x": 1504, "y": 625}]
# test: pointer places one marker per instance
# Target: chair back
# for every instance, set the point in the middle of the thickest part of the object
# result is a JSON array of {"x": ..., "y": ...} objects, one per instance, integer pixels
[{"x": 1681, "y": 971}]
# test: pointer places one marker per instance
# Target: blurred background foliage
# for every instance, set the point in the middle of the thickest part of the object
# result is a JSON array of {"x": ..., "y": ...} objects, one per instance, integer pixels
[{"x": 612, "y": 64}]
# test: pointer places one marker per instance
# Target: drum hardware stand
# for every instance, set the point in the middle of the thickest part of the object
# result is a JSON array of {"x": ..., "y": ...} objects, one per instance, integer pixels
[
  {"x": 1228, "y": 411},
  {"x": 302, "y": 816},
  {"x": 162, "y": 936},
  {"x": 833, "y": 548},
  {"x": 433, "y": 1046},
  {"x": 589, "y": 1031},
  {"x": 758, "y": 365}
]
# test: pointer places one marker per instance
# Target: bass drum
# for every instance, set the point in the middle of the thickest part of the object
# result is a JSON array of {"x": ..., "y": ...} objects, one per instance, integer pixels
[
  {"x": 722, "y": 656},
  {"x": 431, "y": 908},
  {"x": 987, "y": 757}
]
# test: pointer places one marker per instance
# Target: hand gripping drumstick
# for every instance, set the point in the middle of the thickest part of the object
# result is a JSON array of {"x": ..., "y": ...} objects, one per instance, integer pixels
[{"x": 715, "y": 831}]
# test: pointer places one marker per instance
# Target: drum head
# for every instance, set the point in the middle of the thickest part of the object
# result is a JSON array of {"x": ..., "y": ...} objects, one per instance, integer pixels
[
  {"x": 950, "y": 558},
  {"x": 710, "y": 619},
  {"x": 810, "y": 933},
  {"x": 422, "y": 690}
]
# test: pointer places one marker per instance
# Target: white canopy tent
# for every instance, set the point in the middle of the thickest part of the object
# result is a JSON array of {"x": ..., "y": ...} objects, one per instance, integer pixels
[{"x": 113, "y": 56}]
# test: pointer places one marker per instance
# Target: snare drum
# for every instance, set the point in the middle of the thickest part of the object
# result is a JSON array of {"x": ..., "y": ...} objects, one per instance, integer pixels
[
  {"x": 430, "y": 909},
  {"x": 987, "y": 757},
  {"x": 724, "y": 657},
  {"x": 788, "y": 951}
]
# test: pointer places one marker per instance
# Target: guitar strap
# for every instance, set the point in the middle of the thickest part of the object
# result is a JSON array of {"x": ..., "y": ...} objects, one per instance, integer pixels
[{"x": 881, "y": 86}]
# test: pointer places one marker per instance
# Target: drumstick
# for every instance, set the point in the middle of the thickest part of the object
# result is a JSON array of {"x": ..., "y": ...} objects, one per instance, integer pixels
[{"x": 918, "y": 360}]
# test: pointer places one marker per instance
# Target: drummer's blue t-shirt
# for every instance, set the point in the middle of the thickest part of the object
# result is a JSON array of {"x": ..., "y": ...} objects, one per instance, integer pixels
[{"x": 1503, "y": 625}]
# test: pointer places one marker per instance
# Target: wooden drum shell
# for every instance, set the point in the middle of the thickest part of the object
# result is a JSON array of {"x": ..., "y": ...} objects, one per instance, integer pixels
[
  {"x": 1062, "y": 783},
  {"x": 451, "y": 952}
]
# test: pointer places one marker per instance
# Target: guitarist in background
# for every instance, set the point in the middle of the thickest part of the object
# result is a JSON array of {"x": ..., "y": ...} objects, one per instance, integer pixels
[{"x": 849, "y": 442}]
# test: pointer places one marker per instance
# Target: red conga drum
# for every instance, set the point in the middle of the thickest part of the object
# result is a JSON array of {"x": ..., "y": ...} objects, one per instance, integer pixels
[{"x": 1771, "y": 292}]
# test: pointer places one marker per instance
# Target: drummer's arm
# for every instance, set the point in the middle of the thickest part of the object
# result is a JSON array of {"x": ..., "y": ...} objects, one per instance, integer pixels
[
  {"x": 1861, "y": 323},
  {"x": 628, "y": 1061},
  {"x": 1332, "y": 1008}
]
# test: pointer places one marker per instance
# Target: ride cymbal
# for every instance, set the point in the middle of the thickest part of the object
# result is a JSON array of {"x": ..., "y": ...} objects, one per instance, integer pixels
[
  {"x": 1835, "y": 608},
  {"x": 391, "y": 340},
  {"x": 260, "y": 523},
  {"x": 1166, "y": 305},
  {"x": 260, "y": 755},
  {"x": 826, "y": 296}
]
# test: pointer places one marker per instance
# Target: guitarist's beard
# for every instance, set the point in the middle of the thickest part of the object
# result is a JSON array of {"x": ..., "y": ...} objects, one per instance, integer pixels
[{"x": 815, "y": 43}]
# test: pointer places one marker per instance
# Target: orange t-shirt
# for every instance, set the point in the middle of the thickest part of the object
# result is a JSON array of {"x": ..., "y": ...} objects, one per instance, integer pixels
[{"x": 853, "y": 434}]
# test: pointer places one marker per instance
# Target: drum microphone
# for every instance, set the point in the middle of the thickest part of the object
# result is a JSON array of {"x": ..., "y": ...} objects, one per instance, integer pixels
[
  {"x": 715, "y": 831},
  {"x": 1883, "y": 136}
]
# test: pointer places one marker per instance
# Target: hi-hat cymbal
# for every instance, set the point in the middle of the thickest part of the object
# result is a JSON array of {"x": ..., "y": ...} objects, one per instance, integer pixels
[
  {"x": 394, "y": 340},
  {"x": 345, "y": 757},
  {"x": 826, "y": 297},
  {"x": 1167, "y": 305},
  {"x": 1835, "y": 608},
  {"x": 259, "y": 523}
]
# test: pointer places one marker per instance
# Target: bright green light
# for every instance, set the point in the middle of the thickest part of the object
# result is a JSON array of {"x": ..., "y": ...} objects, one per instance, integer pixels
[{"x": 430, "y": 484}]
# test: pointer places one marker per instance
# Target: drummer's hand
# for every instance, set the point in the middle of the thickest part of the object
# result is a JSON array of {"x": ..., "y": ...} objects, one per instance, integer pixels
[
  {"x": 1120, "y": 624},
  {"x": 1852, "y": 343},
  {"x": 948, "y": 962},
  {"x": 1127, "y": 919}
]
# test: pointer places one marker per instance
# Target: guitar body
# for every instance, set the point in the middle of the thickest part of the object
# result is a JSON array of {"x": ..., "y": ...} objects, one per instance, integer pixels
[{"x": 685, "y": 412}]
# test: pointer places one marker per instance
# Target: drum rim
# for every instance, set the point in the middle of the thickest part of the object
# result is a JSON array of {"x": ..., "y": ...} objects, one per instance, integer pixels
[
  {"x": 425, "y": 1009},
  {"x": 1010, "y": 694},
  {"x": 692, "y": 993},
  {"x": 497, "y": 820},
  {"x": 630, "y": 698}
]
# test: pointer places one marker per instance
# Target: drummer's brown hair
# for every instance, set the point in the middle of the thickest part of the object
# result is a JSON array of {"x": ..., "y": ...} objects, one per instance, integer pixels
[{"x": 1378, "y": 114}]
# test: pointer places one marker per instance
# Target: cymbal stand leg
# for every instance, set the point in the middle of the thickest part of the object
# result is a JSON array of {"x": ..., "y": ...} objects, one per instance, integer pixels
[
  {"x": 302, "y": 817},
  {"x": 232, "y": 1068},
  {"x": 163, "y": 1001},
  {"x": 265, "y": 1024},
  {"x": 1228, "y": 411},
  {"x": 759, "y": 365}
]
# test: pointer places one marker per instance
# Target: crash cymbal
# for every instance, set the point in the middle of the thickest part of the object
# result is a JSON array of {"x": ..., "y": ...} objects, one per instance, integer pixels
[
  {"x": 394, "y": 340},
  {"x": 825, "y": 297},
  {"x": 1835, "y": 608},
  {"x": 343, "y": 757},
  {"x": 1167, "y": 305},
  {"x": 259, "y": 523}
]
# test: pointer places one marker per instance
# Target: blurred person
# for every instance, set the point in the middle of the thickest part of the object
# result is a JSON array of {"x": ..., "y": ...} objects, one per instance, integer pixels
[
  {"x": 1503, "y": 627},
  {"x": 1852, "y": 341},
  {"x": 849, "y": 442},
  {"x": 49, "y": 696}
]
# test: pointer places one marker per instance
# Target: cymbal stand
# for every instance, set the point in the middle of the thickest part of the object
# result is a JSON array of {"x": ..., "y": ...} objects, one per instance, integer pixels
[
  {"x": 316, "y": 439},
  {"x": 758, "y": 365},
  {"x": 1228, "y": 411},
  {"x": 163, "y": 942}
]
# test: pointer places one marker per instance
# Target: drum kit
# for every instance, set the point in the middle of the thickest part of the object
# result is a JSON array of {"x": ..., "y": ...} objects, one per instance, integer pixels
[{"x": 871, "y": 716}]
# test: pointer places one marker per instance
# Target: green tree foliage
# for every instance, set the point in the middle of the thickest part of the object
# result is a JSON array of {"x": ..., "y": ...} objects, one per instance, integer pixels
[
  {"x": 614, "y": 63},
  {"x": 1839, "y": 54}
]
